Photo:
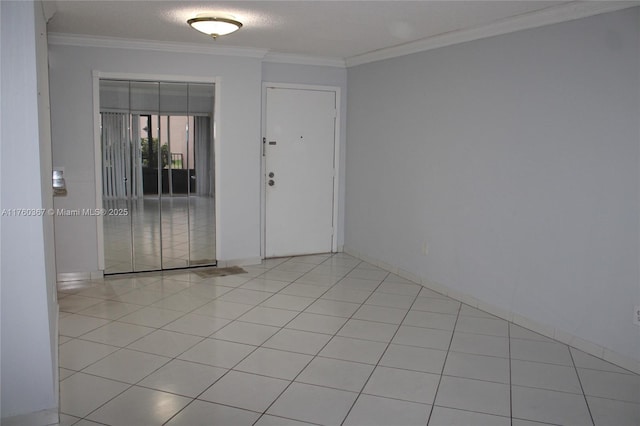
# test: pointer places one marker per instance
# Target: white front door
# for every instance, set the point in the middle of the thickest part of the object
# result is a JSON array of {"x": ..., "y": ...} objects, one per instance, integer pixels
[{"x": 299, "y": 171}]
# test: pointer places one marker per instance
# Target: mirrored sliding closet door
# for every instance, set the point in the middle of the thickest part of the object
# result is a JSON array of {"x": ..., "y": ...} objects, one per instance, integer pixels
[{"x": 157, "y": 166}]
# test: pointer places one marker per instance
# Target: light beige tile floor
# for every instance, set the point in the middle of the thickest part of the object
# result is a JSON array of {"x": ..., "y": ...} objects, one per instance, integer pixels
[{"x": 325, "y": 340}]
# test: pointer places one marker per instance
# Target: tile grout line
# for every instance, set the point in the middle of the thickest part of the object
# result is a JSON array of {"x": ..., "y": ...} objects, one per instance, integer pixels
[
  {"x": 257, "y": 347},
  {"x": 284, "y": 326},
  {"x": 111, "y": 321},
  {"x": 172, "y": 359},
  {"x": 444, "y": 364},
  {"x": 510, "y": 374},
  {"x": 584, "y": 395},
  {"x": 204, "y": 338},
  {"x": 383, "y": 352},
  {"x": 379, "y": 358},
  {"x": 323, "y": 346},
  {"x": 193, "y": 399},
  {"x": 196, "y": 398}
]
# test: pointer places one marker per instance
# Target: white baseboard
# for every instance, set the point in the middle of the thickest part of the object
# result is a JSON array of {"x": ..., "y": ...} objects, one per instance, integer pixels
[
  {"x": 239, "y": 262},
  {"x": 97, "y": 275},
  {"x": 576, "y": 342},
  {"x": 39, "y": 418},
  {"x": 79, "y": 276}
]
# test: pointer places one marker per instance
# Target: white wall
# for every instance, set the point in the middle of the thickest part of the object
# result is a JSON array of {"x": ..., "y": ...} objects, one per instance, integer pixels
[
  {"x": 322, "y": 76},
  {"x": 28, "y": 303},
  {"x": 515, "y": 159},
  {"x": 73, "y": 143}
]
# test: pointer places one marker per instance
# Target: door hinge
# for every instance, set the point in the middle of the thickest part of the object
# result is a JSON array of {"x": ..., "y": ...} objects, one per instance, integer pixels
[{"x": 264, "y": 143}]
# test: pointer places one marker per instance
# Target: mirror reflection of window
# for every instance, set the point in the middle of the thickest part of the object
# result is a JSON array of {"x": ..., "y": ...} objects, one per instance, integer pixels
[{"x": 157, "y": 162}]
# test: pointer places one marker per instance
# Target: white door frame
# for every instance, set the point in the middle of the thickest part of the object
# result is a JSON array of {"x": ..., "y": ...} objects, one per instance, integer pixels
[
  {"x": 97, "y": 143},
  {"x": 336, "y": 159}
]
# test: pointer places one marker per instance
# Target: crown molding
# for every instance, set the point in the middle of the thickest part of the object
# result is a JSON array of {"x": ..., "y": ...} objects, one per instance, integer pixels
[
  {"x": 287, "y": 58},
  {"x": 63, "y": 39},
  {"x": 547, "y": 16}
]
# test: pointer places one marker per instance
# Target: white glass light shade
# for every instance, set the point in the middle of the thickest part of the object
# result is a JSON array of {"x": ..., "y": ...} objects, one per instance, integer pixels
[{"x": 214, "y": 26}]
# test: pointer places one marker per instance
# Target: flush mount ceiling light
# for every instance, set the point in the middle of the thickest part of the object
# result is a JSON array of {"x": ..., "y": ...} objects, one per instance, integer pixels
[{"x": 214, "y": 26}]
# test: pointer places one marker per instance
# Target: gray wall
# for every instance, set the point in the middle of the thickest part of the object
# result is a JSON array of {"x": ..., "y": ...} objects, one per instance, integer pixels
[
  {"x": 73, "y": 143},
  {"x": 240, "y": 94},
  {"x": 515, "y": 159},
  {"x": 28, "y": 310}
]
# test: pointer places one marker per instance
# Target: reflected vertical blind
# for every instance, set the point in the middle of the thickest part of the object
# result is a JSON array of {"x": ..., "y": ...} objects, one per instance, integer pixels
[
  {"x": 122, "y": 103},
  {"x": 203, "y": 158}
]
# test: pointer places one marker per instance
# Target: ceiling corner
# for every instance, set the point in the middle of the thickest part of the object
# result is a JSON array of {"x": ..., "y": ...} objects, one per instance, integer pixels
[{"x": 548, "y": 16}]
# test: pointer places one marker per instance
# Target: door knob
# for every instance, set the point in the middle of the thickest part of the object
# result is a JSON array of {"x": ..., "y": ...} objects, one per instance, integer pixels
[{"x": 271, "y": 182}]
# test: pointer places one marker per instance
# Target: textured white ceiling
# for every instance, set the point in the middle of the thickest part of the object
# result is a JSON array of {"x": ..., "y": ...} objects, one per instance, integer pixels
[{"x": 337, "y": 29}]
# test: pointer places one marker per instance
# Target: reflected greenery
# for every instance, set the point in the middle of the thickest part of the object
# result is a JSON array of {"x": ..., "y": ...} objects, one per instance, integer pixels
[{"x": 149, "y": 153}]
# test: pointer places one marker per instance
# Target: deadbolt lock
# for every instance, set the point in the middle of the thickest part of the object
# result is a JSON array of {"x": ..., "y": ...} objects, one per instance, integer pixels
[{"x": 271, "y": 174}]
